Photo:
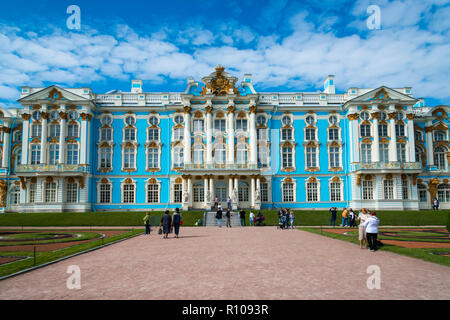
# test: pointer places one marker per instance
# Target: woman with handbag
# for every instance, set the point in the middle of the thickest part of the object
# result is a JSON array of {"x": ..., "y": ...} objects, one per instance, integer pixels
[
  {"x": 176, "y": 222},
  {"x": 166, "y": 223}
]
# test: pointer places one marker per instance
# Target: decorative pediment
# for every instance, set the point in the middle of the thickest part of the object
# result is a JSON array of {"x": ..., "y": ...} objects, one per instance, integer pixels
[
  {"x": 53, "y": 94},
  {"x": 219, "y": 83},
  {"x": 383, "y": 95}
]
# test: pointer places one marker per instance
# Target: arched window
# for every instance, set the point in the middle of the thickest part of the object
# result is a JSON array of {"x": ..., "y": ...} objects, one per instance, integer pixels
[
  {"x": 198, "y": 154},
  {"x": 439, "y": 157},
  {"x": 242, "y": 154},
  {"x": 72, "y": 192},
  {"x": 243, "y": 191},
  {"x": 220, "y": 154},
  {"x": 199, "y": 192},
  {"x": 443, "y": 192},
  {"x": 335, "y": 191}
]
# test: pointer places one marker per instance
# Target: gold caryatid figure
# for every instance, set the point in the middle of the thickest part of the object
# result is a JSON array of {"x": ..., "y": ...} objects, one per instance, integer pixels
[{"x": 219, "y": 83}]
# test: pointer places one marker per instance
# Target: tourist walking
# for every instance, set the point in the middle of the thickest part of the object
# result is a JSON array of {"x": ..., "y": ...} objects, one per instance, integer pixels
[
  {"x": 219, "y": 216},
  {"x": 229, "y": 202},
  {"x": 166, "y": 223},
  {"x": 147, "y": 223},
  {"x": 242, "y": 217},
  {"x": 371, "y": 225},
  {"x": 176, "y": 222},
  {"x": 216, "y": 203},
  {"x": 352, "y": 218},
  {"x": 435, "y": 204},
  {"x": 251, "y": 218},
  {"x": 292, "y": 218},
  {"x": 362, "y": 217},
  {"x": 344, "y": 217},
  {"x": 228, "y": 215},
  {"x": 333, "y": 211}
]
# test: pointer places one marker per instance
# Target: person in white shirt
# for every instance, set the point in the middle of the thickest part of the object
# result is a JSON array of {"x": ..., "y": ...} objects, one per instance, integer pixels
[
  {"x": 362, "y": 217},
  {"x": 371, "y": 225},
  {"x": 252, "y": 218}
]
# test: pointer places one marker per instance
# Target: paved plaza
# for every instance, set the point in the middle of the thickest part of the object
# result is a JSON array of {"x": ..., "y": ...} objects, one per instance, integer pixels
[{"x": 236, "y": 263}]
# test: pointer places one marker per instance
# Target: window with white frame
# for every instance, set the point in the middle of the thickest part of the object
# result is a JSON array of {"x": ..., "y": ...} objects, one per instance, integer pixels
[
  {"x": 152, "y": 193},
  {"x": 418, "y": 135},
  {"x": 178, "y": 134},
  {"x": 153, "y": 121},
  {"x": 262, "y": 134},
  {"x": 178, "y": 119},
  {"x": 388, "y": 189},
  {"x": 220, "y": 125},
  {"x": 32, "y": 193},
  {"x": 241, "y": 154},
  {"x": 15, "y": 195},
  {"x": 405, "y": 189},
  {"x": 72, "y": 154},
  {"x": 333, "y": 134},
  {"x": 364, "y": 115},
  {"x": 439, "y": 157},
  {"x": 422, "y": 190},
  {"x": 287, "y": 156},
  {"x": 384, "y": 152},
  {"x": 129, "y": 154},
  {"x": 105, "y": 134},
  {"x": 443, "y": 192},
  {"x": 243, "y": 192},
  {"x": 241, "y": 124},
  {"x": 401, "y": 152},
  {"x": 199, "y": 192},
  {"x": 198, "y": 126},
  {"x": 264, "y": 192},
  {"x": 365, "y": 130},
  {"x": 18, "y": 136},
  {"x": 50, "y": 192},
  {"x": 130, "y": 134},
  {"x": 310, "y": 134},
  {"x": 367, "y": 190},
  {"x": 400, "y": 130},
  {"x": 333, "y": 120},
  {"x": 383, "y": 115},
  {"x": 128, "y": 193},
  {"x": 220, "y": 154},
  {"x": 366, "y": 153},
  {"x": 177, "y": 192},
  {"x": 335, "y": 191},
  {"x": 36, "y": 130},
  {"x": 263, "y": 156},
  {"x": 288, "y": 192},
  {"x": 152, "y": 158},
  {"x": 53, "y": 154},
  {"x": 54, "y": 130},
  {"x": 334, "y": 157},
  {"x": 311, "y": 157},
  {"x": 418, "y": 154},
  {"x": 35, "y": 154},
  {"x": 286, "y": 134},
  {"x": 17, "y": 157},
  {"x": 105, "y": 158},
  {"x": 72, "y": 192},
  {"x": 153, "y": 134},
  {"x": 105, "y": 193},
  {"x": 178, "y": 157},
  {"x": 440, "y": 136},
  {"x": 312, "y": 192},
  {"x": 382, "y": 130},
  {"x": 198, "y": 154},
  {"x": 72, "y": 130}
]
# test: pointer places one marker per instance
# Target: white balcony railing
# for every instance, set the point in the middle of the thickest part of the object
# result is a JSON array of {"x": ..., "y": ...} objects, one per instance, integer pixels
[
  {"x": 57, "y": 168},
  {"x": 388, "y": 166}
]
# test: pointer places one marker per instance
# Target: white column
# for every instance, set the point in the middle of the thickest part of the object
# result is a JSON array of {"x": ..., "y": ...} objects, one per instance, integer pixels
[
  {"x": 25, "y": 135},
  {"x": 230, "y": 134},
  {"x": 211, "y": 189},
  {"x": 355, "y": 139},
  {"x": 44, "y": 135},
  {"x": 187, "y": 135},
  {"x": 83, "y": 140},
  {"x": 411, "y": 146},
  {"x": 185, "y": 203},
  {"x": 208, "y": 135},
  {"x": 253, "y": 144},
  {"x": 393, "y": 141},
  {"x": 189, "y": 188},
  {"x": 252, "y": 192},
  {"x": 6, "y": 146},
  {"x": 429, "y": 145},
  {"x": 376, "y": 140},
  {"x": 60, "y": 191},
  {"x": 62, "y": 135},
  {"x": 230, "y": 186},
  {"x": 206, "y": 192}
]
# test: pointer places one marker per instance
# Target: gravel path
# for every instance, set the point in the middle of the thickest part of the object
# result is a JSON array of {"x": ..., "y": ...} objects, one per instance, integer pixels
[{"x": 237, "y": 263}]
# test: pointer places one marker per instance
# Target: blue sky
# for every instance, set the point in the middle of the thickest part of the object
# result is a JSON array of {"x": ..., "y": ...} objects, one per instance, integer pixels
[{"x": 286, "y": 45}]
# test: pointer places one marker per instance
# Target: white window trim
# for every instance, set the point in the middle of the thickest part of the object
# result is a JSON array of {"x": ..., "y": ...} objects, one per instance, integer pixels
[
  {"x": 294, "y": 182},
  {"x": 122, "y": 194},
  {"x": 159, "y": 147},
  {"x": 341, "y": 188},
  {"x": 110, "y": 190},
  {"x": 99, "y": 147},
  {"x": 124, "y": 146},
  {"x": 317, "y": 156},
  {"x": 318, "y": 190},
  {"x": 158, "y": 183}
]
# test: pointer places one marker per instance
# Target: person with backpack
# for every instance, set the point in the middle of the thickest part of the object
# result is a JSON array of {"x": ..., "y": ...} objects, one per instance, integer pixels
[
  {"x": 333, "y": 211},
  {"x": 147, "y": 223},
  {"x": 228, "y": 215},
  {"x": 344, "y": 217},
  {"x": 371, "y": 226},
  {"x": 219, "y": 216},
  {"x": 435, "y": 204},
  {"x": 242, "y": 217},
  {"x": 176, "y": 222}
]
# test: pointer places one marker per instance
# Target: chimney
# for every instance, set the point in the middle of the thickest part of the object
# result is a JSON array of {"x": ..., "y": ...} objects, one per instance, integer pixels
[
  {"x": 328, "y": 85},
  {"x": 136, "y": 86}
]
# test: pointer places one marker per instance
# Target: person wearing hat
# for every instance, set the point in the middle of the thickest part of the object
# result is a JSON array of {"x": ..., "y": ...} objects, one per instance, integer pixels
[
  {"x": 219, "y": 216},
  {"x": 166, "y": 223},
  {"x": 176, "y": 221}
]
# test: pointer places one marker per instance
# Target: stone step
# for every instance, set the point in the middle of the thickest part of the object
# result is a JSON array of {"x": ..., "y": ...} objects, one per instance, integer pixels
[{"x": 210, "y": 219}]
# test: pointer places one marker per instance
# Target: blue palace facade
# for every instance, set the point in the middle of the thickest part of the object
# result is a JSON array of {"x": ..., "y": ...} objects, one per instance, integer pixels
[{"x": 70, "y": 149}]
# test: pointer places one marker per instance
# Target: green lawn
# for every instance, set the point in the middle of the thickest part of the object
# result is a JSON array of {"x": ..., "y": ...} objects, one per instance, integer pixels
[
  {"x": 419, "y": 253},
  {"x": 302, "y": 218}
]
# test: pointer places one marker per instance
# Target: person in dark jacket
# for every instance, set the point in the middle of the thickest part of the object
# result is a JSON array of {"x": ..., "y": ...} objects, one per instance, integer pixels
[
  {"x": 219, "y": 216},
  {"x": 228, "y": 215},
  {"x": 242, "y": 216},
  {"x": 176, "y": 222},
  {"x": 147, "y": 223},
  {"x": 166, "y": 223}
]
